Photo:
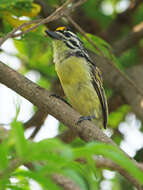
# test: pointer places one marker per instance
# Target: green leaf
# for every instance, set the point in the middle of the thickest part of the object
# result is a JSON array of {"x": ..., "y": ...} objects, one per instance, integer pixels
[
  {"x": 117, "y": 116},
  {"x": 20, "y": 141},
  {"x": 78, "y": 173},
  {"x": 3, "y": 155},
  {"x": 137, "y": 18},
  {"x": 112, "y": 153},
  {"x": 51, "y": 150},
  {"x": 10, "y": 5},
  {"x": 129, "y": 58},
  {"x": 15, "y": 187},
  {"x": 102, "y": 46},
  {"x": 45, "y": 182},
  {"x": 77, "y": 178},
  {"x": 3, "y": 182},
  {"x": 40, "y": 56},
  {"x": 89, "y": 8}
]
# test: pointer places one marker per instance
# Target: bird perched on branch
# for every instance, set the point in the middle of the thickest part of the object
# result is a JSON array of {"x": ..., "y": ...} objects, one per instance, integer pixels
[{"x": 79, "y": 76}]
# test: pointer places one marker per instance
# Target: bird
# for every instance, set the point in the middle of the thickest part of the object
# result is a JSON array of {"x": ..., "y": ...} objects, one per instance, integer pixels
[{"x": 79, "y": 76}]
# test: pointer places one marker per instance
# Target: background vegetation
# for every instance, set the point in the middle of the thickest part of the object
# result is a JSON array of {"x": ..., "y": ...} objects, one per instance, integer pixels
[{"x": 112, "y": 31}]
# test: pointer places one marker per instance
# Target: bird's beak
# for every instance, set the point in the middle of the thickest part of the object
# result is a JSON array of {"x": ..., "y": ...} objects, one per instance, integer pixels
[{"x": 53, "y": 35}]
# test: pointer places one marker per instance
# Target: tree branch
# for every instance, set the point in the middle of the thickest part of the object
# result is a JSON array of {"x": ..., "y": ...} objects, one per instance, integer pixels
[
  {"x": 68, "y": 136},
  {"x": 102, "y": 162},
  {"x": 128, "y": 41},
  {"x": 60, "y": 180},
  {"x": 122, "y": 19},
  {"x": 54, "y": 16},
  {"x": 42, "y": 99},
  {"x": 65, "y": 183},
  {"x": 15, "y": 163},
  {"x": 36, "y": 120}
]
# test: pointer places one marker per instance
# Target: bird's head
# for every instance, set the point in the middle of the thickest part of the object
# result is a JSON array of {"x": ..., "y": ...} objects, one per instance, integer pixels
[{"x": 63, "y": 37}]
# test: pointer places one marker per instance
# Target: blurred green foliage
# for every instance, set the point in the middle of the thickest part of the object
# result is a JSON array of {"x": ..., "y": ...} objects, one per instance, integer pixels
[
  {"x": 34, "y": 50},
  {"x": 51, "y": 156},
  {"x": 93, "y": 10},
  {"x": 11, "y": 5},
  {"x": 36, "y": 54},
  {"x": 116, "y": 117}
]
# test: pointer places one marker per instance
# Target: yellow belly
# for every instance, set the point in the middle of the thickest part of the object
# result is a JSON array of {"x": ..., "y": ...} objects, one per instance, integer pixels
[{"x": 74, "y": 75}]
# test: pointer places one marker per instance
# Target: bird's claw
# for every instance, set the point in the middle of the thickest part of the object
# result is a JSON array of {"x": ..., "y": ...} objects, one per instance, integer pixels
[
  {"x": 59, "y": 97},
  {"x": 84, "y": 118}
]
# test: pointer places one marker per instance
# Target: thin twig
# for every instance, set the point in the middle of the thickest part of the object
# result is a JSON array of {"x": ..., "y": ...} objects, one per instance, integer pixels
[
  {"x": 133, "y": 37},
  {"x": 13, "y": 164},
  {"x": 102, "y": 162},
  {"x": 59, "y": 12},
  {"x": 11, "y": 34},
  {"x": 130, "y": 81},
  {"x": 34, "y": 133},
  {"x": 77, "y": 4},
  {"x": 105, "y": 163},
  {"x": 67, "y": 136},
  {"x": 65, "y": 183},
  {"x": 60, "y": 180}
]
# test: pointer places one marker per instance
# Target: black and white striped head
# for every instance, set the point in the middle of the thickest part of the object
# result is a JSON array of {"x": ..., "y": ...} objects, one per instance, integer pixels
[
  {"x": 68, "y": 40},
  {"x": 67, "y": 36}
]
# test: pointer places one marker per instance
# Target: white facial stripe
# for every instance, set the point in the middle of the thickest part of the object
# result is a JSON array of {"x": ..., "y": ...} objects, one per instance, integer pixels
[
  {"x": 72, "y": 34},
  {"x": 72, "y": 41},
  {"x": 71, "y": 45}
]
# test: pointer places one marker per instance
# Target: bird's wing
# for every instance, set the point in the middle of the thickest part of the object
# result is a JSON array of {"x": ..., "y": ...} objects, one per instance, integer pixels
[
  {"x": 98, "y": 85},
  {"x": 97, "y": 82}
]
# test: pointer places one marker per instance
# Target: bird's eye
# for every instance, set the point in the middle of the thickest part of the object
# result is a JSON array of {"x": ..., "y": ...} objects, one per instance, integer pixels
[{"x": 67, "y": 34}]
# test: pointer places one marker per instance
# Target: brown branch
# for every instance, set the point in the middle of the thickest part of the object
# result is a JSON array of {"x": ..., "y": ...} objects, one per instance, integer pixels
[
  {"x": 68, "y": 184},
  {"x": 106, "y": 163},
  {"x": 36, "y": 120},
  {"x": 62, "y": 181},
  {"x": 3, "y": 133},
  {"x": 65, "y": 183},
  {"x": 58, "y": 13},
  {"x": 102, "y": 162},
  {"x": 128, "y": 41},
  {"x": 122, "y": 19},
  {"x": 42, "y": 99},
  {"x": 39, "y": 117},
  {"x": 10, "y": 34},
  {"x": 13, "y": 164},
  {"x": 68, "y": 136}
]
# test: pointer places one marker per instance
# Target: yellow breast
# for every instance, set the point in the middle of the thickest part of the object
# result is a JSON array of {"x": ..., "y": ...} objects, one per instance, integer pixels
[{"x": 74, "y": 74}]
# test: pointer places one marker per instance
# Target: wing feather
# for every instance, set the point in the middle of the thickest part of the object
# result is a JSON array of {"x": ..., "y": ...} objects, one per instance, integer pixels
[
  {"x": 96, "y": 81},
  {"x": 98, "y": 85}
]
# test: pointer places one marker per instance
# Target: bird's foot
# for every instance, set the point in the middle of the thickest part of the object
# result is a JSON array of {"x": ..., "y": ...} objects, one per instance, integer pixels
[
  {"x": 84, "y": 118},
  {"x": 61, "y": 98}
]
